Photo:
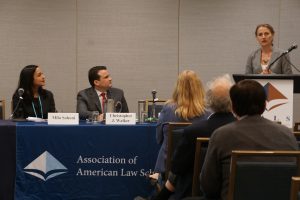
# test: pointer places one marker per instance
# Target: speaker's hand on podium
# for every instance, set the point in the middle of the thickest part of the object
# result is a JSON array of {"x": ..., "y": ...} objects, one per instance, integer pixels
[{"x": 266, "y": 71}]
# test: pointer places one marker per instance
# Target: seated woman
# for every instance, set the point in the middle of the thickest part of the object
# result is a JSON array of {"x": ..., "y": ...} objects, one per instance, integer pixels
[
  {"x": 187, "y": 105},
  {"x": 37, "y": 101}
]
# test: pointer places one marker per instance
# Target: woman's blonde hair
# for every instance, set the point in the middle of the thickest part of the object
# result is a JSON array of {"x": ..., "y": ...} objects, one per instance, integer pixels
[{"x": 188, "y": 95}]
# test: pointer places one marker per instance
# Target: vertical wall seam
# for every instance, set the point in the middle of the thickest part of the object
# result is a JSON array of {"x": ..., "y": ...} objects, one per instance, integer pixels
[
  {"x": 178, "y": 46},
  {"x": 279, "y": 28},
  {"x": 76, "y": 45}
]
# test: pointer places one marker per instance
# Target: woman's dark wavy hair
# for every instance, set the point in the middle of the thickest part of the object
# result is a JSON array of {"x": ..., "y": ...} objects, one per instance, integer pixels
[
  {"x": 26, "y": 82},
  {"x": 248, "y": 97}
]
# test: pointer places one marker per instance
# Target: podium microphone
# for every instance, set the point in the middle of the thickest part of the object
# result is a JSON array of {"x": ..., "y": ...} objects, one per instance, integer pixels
[
  {"x": 294, "y": 46},
  {"x": 20, "y": 93}
]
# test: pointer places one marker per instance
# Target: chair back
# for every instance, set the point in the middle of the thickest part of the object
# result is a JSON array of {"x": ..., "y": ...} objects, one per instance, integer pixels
[
  {"x": 2, "y": 109},
  {"x": 297, "y": 127},
  {"x": 295, "y": 188},
  {"x": 201, "y": 148},
  {"x": 262, "y": 175},
  {"x": 297, "y": 135},
  {"x": 174, "y": 136}
]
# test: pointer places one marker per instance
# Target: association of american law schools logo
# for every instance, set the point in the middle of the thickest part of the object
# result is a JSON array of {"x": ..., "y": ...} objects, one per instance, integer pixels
[
  {"x": 274, "y": 97},
  {"x": 45, "y": 167}
]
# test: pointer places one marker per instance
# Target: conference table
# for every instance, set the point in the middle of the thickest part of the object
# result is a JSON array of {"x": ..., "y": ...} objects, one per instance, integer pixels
[{"x": 85, "y": 161}]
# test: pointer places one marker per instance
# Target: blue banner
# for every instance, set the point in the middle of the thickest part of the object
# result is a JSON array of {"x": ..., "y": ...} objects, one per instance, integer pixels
[
  {"x": 84, "y": 162},
  {"x": 8, "y": 157}
]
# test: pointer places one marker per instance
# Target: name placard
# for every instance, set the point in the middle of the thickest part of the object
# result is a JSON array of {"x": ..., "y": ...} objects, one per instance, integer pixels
[
  {"x": 120, "y": 118},
  {"x": 63, "y": 118}
]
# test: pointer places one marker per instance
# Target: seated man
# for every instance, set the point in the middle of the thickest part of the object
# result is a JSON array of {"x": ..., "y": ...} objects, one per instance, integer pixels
[
  {"x": 181, "y": 176},
  {"x": 250, "y": 132},
  {"x": 94, "y": 98}
]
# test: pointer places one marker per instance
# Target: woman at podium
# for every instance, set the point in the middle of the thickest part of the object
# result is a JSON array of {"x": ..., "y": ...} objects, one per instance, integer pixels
[
  {"x": 261, "y": 61},
  {"x": 30, "y": 98}
]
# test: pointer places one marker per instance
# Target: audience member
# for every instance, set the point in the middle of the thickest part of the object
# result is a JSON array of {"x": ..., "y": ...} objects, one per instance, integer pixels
[
  {"x": 250, "y": 132},
  {"x": 94, "y": 98},
  {"x": 259, "y": 60},
  {"x": 187, "y": 104},
  {"x": 37, "y": 101},
  {"x": 181, "y": 176}
]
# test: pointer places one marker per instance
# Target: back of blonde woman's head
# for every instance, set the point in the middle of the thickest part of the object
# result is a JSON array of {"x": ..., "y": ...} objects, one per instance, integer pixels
[{"x": 189, "y": 95}]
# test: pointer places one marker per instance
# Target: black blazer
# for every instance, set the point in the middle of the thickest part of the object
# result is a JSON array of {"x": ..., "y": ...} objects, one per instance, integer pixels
[
  {"x": 184, "y": 155},
  {"x": 25, "y": 108}
]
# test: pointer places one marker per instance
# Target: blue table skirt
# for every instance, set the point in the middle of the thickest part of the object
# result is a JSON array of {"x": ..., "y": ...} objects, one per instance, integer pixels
[
  {"x": 84, "y": 161},
  {"x": 8, "y": 159}
]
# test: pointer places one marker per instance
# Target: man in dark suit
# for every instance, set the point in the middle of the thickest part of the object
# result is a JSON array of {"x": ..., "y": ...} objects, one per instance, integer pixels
[
  {"x": 95, "y": 97},
  {"x": 181, "y": 176}
]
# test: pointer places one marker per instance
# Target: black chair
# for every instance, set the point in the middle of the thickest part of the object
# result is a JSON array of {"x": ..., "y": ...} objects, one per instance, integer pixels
[
  {"x": 174, "y": 136},
  {"x": 297, "y": 135},
  {"x": 201, "y": 148},
  {"x": 262, "y": 175},
  {"x": 2, "y": 109},
  {"x": 295, "y": 188},
  {"x": 297, "y": 127}
]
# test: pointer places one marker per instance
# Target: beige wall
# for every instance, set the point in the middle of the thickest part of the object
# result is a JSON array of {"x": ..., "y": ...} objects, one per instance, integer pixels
[{"x": 145, "y": 43}]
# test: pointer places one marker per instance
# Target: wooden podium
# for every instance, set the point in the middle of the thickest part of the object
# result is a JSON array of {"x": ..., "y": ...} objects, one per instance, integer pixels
[{"x": 279, "y": 90}]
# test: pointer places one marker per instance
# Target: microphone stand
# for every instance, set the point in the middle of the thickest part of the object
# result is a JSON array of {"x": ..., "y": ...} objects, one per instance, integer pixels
[
  {"x": 153, "y": 118},
  {"x": 14, "y": 112},
  {"x": 20, "y": 93},
  {"x": 153, "y": 105},
  {"x": 296, "y": 68},
  {"x": 294, "y": 46},
  {"x": 270, "y": 65}
]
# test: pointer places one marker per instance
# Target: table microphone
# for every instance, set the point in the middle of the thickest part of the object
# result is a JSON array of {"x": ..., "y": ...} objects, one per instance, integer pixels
[
  {"x": 153, "y": 104},
  {"x": 154, "y": 95},
  {"x": 20, "y": 93},
  {"x": 294, "y": 46}
]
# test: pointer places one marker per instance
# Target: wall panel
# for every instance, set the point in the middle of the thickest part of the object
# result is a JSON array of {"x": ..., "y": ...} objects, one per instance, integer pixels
[
  {"x": 136, "y": 39},
  {"x": 217, "y": 36},
  {"x": 289, "y": 34},
  {"x": 145, "y": 43},
  {"x": 42, "y": 33}
]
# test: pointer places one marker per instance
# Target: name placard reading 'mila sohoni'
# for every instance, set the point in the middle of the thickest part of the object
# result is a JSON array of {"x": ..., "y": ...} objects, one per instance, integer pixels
[
  {"x": 63, "y": 118},
  {"x": 120, "y": 118}
]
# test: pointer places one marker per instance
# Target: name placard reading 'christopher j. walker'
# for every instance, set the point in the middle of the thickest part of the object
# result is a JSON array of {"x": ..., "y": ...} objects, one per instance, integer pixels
[
  {"x": 63, "y": 118},
  {"x": 120, "y": 118}
]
